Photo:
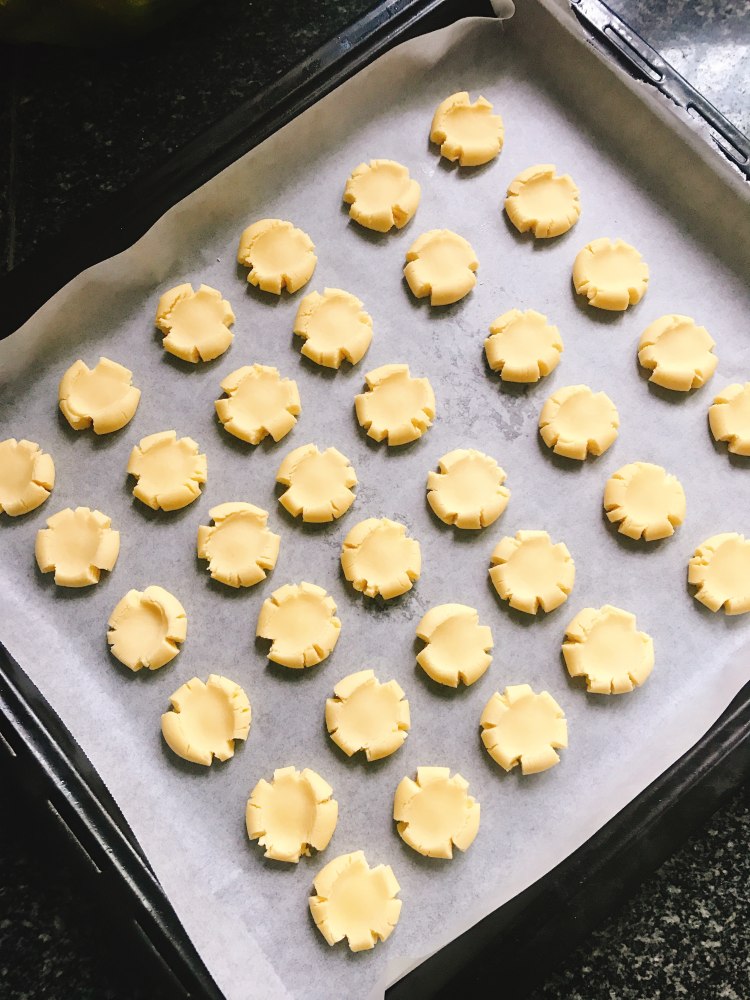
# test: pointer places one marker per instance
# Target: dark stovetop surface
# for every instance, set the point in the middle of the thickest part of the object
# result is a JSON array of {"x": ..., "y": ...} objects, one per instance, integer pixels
[{"x": 82, "y": 124}]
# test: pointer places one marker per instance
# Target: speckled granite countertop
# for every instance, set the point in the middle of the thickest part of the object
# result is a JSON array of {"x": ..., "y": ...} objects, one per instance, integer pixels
[{"x": 76, "y": 126}]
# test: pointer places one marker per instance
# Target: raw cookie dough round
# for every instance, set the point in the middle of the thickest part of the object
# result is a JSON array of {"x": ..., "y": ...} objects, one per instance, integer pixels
[
  {"x": 27, "y": 476},
  {"x": 259, "y": 402},
  {"x": 678, "y": 352},
  {"x": 521, "y": 727},
  {"x": 278, "y": 254},
  {"x": 435, "y": 813},
  {"x": 292, "y": 814},
  {"x": 467, "y": 132},
  {"x": 612, "y": 275},
  {"x": 522, "y": 346},
  {"x": 395, "y": 405},
  {"x": 146, "y": 627},
  {"x": 77, "y": 545},
  {"x": 530, "y": 572},
  {"x": 441, "y": 264},
  {"x": 355, "y": 902},
  {"x": 648, "y": 502},
  {"x": 457, "y": 646},
  {"x": 604, "y": 646},
  {"x": 300, "y": 620},
  {"x": 103, "y": 396},
  {"x": 729, "y": 418},
  {"x": 381, "y": 195},
  {"x": 169, "y": 471},
  {"x": 240, "y": 547},
  {"x": 543, "y": 201},
  {"x": 367, "y": 715},
  {"x": 378, "y": 557},
  {"x": 720, "y": 569},
  {"x": 468, "y": 490},
  {"x": 576, "y": 422},
  {"x": 206, "y": 719},
  {"x": 335, "y": 327},
  {"x": 319, "y": 483},
  {"x": 195, "y": 324}
]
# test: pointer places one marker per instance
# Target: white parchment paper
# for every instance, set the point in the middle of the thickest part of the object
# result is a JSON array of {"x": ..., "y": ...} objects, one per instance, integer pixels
[{"x": 247, "y": 916}]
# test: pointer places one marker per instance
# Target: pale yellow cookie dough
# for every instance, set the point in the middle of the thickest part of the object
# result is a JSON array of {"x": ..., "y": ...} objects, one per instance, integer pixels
[
  {"x": 334, "y": 327},
  {"x": 678, "y": 352},
  {"x": 720, "y": 570},
  {"x": 604, "y": 646},
  {"x": 521, "y": 727},
  {"x": 103, "y": 397},
  {"x": 169, "y": 471},
  {"x": 27, "y": 476},
  {"x": 278, "y": 255},
  {"x": 77, "y": 545},
  {"x": 395, "y": 406},
  {"x": 541, "y": 200},
  {"x": 378, "y": 557},
  {"x": 146, "y": 628},
  {"x": 645, "y": 501},
  {"x": 468, "y": 490},
  {"x": 729, "y": 418},
  {"x": 576, "y": 422},
  {"x": 612, "y": 275},
  {"x": 206, "y": 719},
  {"x": 530, "y": 572},
  {"x": 355, "y": 902},
  {"x": 367, "y": 715},
  {"x": 457, "y": 646},
  {"x": 381, "y": 195},
  {"x": 292, "y": 814},
  {"x": 259, "y": 402},
  {"x": 195, "y": 324},
  {"x": 300, "y": 621},
  {"x": 522, "y": 346},
  {"x": 239, "y": 546},
  {"x": 467, "y": 132},
  {"x": 441, "y": 264},
  {"x": 319, "y": 483},
  {"x": 435, "y": 813}
]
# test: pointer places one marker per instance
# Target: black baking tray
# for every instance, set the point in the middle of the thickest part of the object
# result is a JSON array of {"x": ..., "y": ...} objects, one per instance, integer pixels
[{"x": 526, "y": 938}]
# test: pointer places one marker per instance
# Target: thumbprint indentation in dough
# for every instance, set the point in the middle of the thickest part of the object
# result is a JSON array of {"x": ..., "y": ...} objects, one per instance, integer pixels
[
  {"x": 395, "y": 406},
  {"x": 291, "y": 814},
  {"x": 522, "y": 727},
  {"x": 729, "y": 418},
  {"x": 381, "y": 195},
  {"x": 457, "y": 646},
  {"x": 522, "y": 346},
  {"x": 441, "y": 264},
  {"x": 367, "y": 715},
  {"x": 77, "y": 545},
  {"x": 611, "y": 274},
  {"x": 319, "y": 483},
  {"x": 355, "y": 902},
  {"x": 467, "y": 132},
  {"x": 169, "y": 471},
  {"x": 646, "y": 501},
  {"x": 576, "y": 422},
  {"x": 334, "y": 326},
  {"x": 195, "y": 324},
  {"x": 259, "y": 402},
  {"x": 102, "y": 397},
  {"x": 300, "y": 621},
  {"x": 530, "y": 572},
  {"x": 146, "y": 628},
  {"x": 239, "y": 546},
  {"x": 678, "y": 352},
  {"x": 278, "y": 255},
  {"x": 206, "y": 719},
  {"x": 435, "y": 813},
  {"x": 720, "y": 570},
  {"x": 468, "y": 490},
  {"x": 604, "y": 646},
  {"x": 543, "y": 201},
  {"x": 27, "y": 476},
  {"x": 379, "y": 558}
]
